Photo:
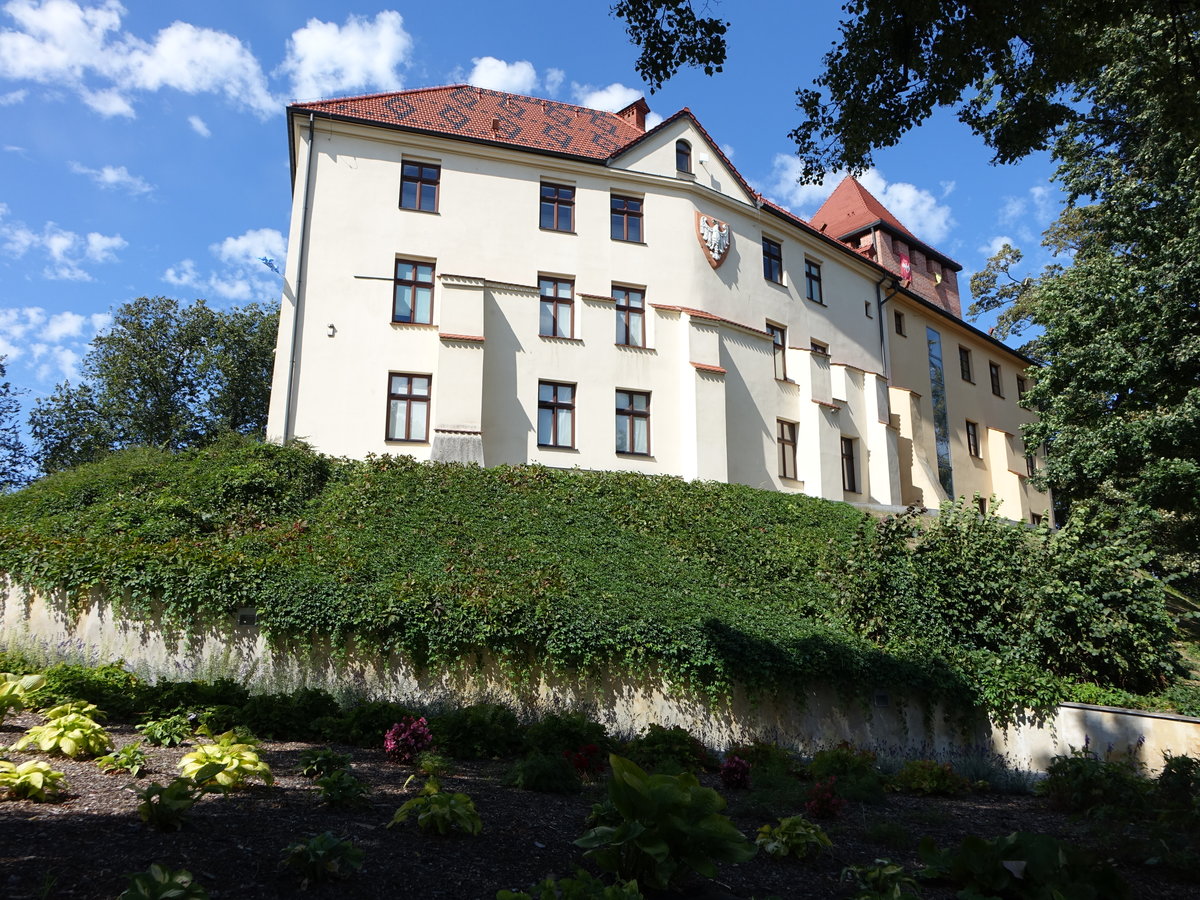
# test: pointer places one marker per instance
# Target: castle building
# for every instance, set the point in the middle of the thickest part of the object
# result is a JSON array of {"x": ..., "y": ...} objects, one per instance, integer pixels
[{"x": 492, "y": 278}]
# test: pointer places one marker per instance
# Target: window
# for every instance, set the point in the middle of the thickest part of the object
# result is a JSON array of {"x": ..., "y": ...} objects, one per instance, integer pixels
[
  {"x": 413, "y": 296},
  {"x": 964, "y": 364},
  {"x": 779, "y": 349},
  {"x": 981, "y": 503},
  {"x": 812, "y": 281},
  {"x": 683, "y": 156},
  {"x": 633, "y": 422},
  {"x": 973, "y": 439},
  {"x": 1035, "y": 520},
  {"x": 419, "y": 186},
  {"x": 772, "y": 261},
  {"x": 849, "y": 469},
  {"x": 556, "y": 414},
  {"x": 1030, "y": 464},
  {"x": 558, "y": 207},
  {"x": 787, "y": 448},
  {"x": 626, "y": 218},
  {"x": 994, "y": 375},
  {"x": 408, "y": 407},
  {"x": 631, "y": 316},
  {"x": 818, "y": 348},
  {"x": 898, "y": 317},
  {"x": 1021, "y": 388},
  {"x": 558, "y": 303},
  {"x": 867, "y": 309}
]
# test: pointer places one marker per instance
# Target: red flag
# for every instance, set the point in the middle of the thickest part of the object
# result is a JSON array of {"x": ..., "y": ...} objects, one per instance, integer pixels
[{"x": 905, "y": 267}]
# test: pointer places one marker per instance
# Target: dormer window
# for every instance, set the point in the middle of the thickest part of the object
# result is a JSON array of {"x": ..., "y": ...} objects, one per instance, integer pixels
[{"x": 683, "y": 156}]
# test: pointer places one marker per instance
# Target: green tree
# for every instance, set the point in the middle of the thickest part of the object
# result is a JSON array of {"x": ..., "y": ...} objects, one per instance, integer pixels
[
  {"x": 165, "y": 374},
  {"x": 14, "y": 461}
]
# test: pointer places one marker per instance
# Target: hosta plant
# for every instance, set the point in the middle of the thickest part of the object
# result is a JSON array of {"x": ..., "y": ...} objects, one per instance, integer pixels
[
  {"x": 33, "y": 780},
  {"x": 129, "y": 758},
  {"x": 793, "y": 836},
  {"x": 70, "y": 734},
  {"x": 166, "y": 807},
  {"x": 15, "y": 689},
  {"x": 168, "y": 732},
  {"x": 885, "y": 880},
  {"x": 321, "y": 858},
  {"x": 160, "y": 883},
  {"x": 443, "y": 813},
  {"x": 322, "y": 762},
  {"x": 238, "y": 762},
  {"x": 582, "y": 886},
  {"x": 340, "y": 788},
  {"x": 670, "y": 826}
]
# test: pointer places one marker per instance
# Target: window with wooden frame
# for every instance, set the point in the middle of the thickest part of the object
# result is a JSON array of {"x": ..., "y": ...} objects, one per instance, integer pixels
[
  {"x": 626, "y": 218},
  {"x": 558, "y": 207},
  {"x": 1022, "y": 387},
  {"x": 849, "y": 466},
  {"x": 1030, "y": 464},
  {"x": 683, "y": 156},
  {"x": 419, "y": 186},
  {"x": 964, "y": 364},
  {"x": 633, "y": 422},
  {"x": 408, "y": 407},
  {"x": 631, "y": 316},
  {"x": 994, "y": 376},
  {"x": 982, "y": 505},
  {"x": 898, "y": 318},
  {"x": 812, "y": 282},
  {"x": 786, "y": 439},
  {"x": 556, "y": 316},
  {"x": 778, "y": 349},
  {"x": 412, "y": 296},
  {"x": 1035, "y": 519},
  {"x": 818, "y": 348},
  {"x": 556, "y": 414},
  {"x": 973, "y": 439},
  {"x": 772, "y": 260}
]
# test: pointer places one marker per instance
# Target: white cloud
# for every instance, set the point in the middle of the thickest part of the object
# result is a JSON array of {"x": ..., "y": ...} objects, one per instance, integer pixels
[
  {"x": 495, "y": 74},
  {"x": 727, "y": 149},
  {"x": 992, "y": 247},
  {"x": 1012, "y": 209},
  {"x": 612, "y": 98},
  {"x": 786, "y": 190},
  {"x": 325, "y": 59},
  {"x": 114, "y": 177},
  {"x": 247, "y": 248},
  {"x": 52, "y": 344},
  {"x": 198, "y": 126},
  {"x": 185, "y": 275},
  {"x": 13, "y": 97},
  {"x": 243, "y": 275},
  {"x": 63, "y": 325},
  {"x": 1037, "y": 208},
  {"x": 66, "y": 250},
  {"x": 653, "y": 120},
  {"x": 947, "y": 188},
  {"x": 554, "y": 79},
  {"x": 83, "y": 48}
]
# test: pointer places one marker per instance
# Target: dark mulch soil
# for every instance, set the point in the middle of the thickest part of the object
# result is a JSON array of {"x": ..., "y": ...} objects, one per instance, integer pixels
[{"x": 84, "y": 845}]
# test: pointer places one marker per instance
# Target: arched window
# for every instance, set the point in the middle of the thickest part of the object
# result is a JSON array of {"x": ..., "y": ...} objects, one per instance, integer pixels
[{"x": 683, "y": 156}]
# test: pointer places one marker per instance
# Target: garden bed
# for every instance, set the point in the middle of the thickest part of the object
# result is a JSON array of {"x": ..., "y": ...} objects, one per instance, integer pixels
[{"x": 83, "y": 845}]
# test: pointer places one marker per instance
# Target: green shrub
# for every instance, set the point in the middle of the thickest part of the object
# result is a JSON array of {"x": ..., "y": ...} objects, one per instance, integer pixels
[
  {"x": 130, "y": 758},
  {"x": 583, "y": 886},
  {"x": 443, "y": 813},
  {"x": 166, "y": 698},
  {"x": 544, "y": 773},
  {"x": 288, "y": 716},
  {"x": 764, "y": 755},
  {"x": 1082, "y": 781},
  {"x": 160, "y": 883},
  {"x": 165, "y": 807},
  {"x": 1179, "y": 783},
  {"x": 363, "y": 725},
  {"x": 669, "y": 751},
  {"x": 430, "y": 763},
  {"x": 317, "y": 763},
  {"x": 1022, "y": 865},
  {"x": 669, "y": 826},
  {"x": 109, "y": 687},
  {"x": 33, "y": 780},
  {"x": 885, "y": 880},
  {"x": 168, "y": 732},
  {"x": 558, "y": 733},
  {"x": 924, "y": 776},
  {"x": 481, "y": 731},
  {"x": 858, "y": 778},
  {"x": 321, "y": 858},
  {"x": 793, "y": 836},
  {"x": 342, "y": 789},
  {"x": 221, "y": 718}
]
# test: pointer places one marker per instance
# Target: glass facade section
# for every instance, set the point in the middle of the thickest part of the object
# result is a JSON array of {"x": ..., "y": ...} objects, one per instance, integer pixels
[{"x": 941, "y": 417}]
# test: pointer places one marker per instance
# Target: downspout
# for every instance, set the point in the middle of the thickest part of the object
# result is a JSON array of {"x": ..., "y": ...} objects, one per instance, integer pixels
[
  {"x": 879, "y": 301},
  {"x": 302, "y": 271}
]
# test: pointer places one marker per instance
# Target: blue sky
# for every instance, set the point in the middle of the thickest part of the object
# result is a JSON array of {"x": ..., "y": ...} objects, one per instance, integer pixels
[{"x": 143, "y": 149}]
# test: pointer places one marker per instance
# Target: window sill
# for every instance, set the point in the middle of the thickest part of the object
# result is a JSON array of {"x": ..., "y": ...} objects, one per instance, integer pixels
[
  {"x": 649, "y": 456},
  {"x": 554, "y": 337},
  {"x": 556, "y": 230},
  {"x": 557, "y": 447},
  {"x": 790, "y": 381},
  {"x": 998, "y": 396},
  {"x": 778, "y": 284},
  {"x": 686, "y": 176},
  {"x": 636, "y": 347},
  {"x": 413, "y": 324},
  {"x": 818, "y": 302},
  {"x": 406, "y": 441},
  {"x": 627, "y": 241},
  {"x": 428, "y": 212}
]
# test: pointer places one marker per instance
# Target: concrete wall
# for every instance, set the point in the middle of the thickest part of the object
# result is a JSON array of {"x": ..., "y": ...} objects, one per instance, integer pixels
[{"x": 804, "y": 722}]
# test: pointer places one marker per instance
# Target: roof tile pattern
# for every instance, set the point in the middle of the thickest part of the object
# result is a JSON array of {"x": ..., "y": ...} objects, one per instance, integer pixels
[
  {"x": 851, "y": 207},
  {"x": 473, "y": 113}
]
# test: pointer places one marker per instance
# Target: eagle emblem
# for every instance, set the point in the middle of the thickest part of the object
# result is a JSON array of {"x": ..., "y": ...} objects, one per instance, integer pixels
[{"x": 714, "y": 237}]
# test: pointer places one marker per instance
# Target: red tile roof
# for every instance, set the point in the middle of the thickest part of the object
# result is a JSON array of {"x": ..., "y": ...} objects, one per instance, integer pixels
[
  {"x": 851, "y": 207},
  {"x": 471, "y": 113}
]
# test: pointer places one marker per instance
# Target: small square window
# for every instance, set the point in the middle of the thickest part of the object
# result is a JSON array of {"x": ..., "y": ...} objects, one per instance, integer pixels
[
  {"x": 964, "y": 364},
  {"x": 786, "y": 439},
  {"x": 408, "y": 407},
  {"x": 973, "y": 439},
  {"x": 779, "y": 349},
  {"x": 626, "y": 218},
  {"x": 994, "y": 376},
  {"x": 412, "y": 292},
  {"x": 812, "y": 281},
  {"x": 898, "y": 318},
  {"x": 818, "y": 348},
  {"x": 556, "y": 316},
  {"x": 419, "y": 186},
  {"x": 558, "y": 207},
  {"x": 633, "y": 422},
  {"x": 556, "y": 414},
  {"x": 772, "y": 260}
]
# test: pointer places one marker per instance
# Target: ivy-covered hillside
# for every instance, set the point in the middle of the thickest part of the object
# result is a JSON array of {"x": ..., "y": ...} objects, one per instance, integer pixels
[{"x": 706, "y": 583}]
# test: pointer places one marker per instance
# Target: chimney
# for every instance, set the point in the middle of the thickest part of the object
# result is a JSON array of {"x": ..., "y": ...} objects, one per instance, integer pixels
[{"x": 635, "y": 113}]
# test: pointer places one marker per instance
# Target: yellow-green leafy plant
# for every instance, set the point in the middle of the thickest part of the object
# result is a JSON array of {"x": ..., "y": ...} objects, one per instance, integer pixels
[
  {"x": 33, "y": 780},
  {"x": 160, "y": 883},
  {"x": 14, "y": 689},
  {"x": 71, "y": 730},
  {"x": 440, "y": 812},
  {"x": 793, "y": 836},
  {"x": 239, "y": 762}
]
